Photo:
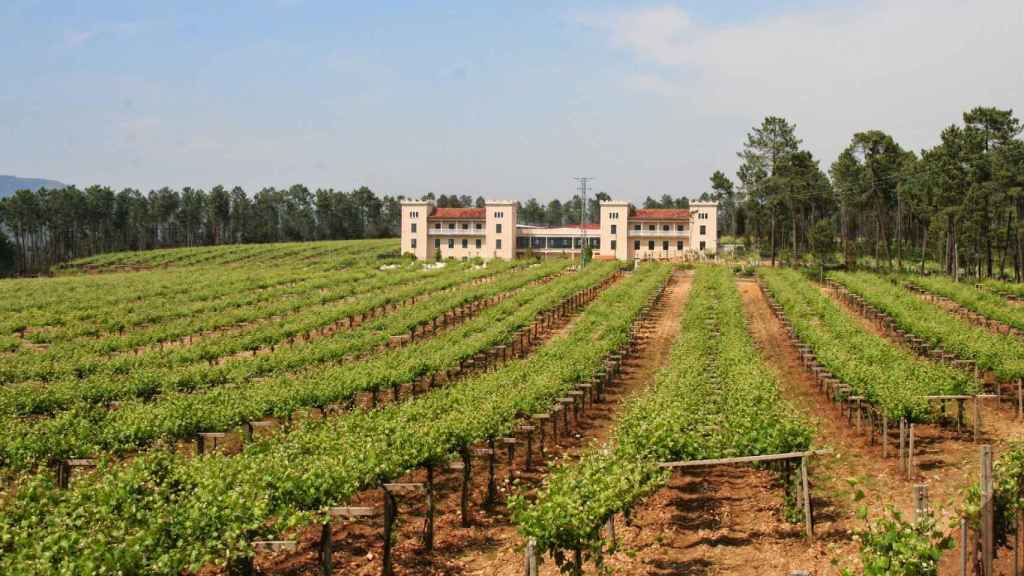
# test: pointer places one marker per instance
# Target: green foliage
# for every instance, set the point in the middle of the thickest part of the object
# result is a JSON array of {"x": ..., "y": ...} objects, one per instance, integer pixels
[
  {"x": 1002, "y": 354},
  {"x": 823, "y": 242},
  {"x": 886, "y": 375},
  {"x": 1002, "y": 287},
  {"x": 7, "y": 255},
  {"x": 891, "y": 545},
  {"x": 92, "y": 360},
  {"x": 84, "y": 431},
  {"x": 983, "y": 302},
  {"x": 162, "y": 513},
  {"x": 1007, "y": 495},
  {"x": 714, "y": 399},
  {"x": 894, "y": 546}
]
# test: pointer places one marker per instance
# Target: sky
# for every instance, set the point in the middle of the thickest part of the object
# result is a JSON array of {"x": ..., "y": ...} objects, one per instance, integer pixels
[{"x": 506, "y": 100}]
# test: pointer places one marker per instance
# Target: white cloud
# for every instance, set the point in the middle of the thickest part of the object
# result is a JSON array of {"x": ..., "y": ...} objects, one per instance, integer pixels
[
  {"x": 652, "y": 83},
  {"x": 75, "y": 38},
  {"x": 662, "y": 34},
  {"x": 909, "y": 67}
]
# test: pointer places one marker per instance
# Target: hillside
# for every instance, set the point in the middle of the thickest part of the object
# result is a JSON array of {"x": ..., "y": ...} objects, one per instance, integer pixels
[{"x": 11, "y": 184}]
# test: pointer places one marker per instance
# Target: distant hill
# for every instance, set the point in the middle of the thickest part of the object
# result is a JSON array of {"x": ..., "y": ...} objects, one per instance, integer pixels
[{"x": 11, "y": 184}]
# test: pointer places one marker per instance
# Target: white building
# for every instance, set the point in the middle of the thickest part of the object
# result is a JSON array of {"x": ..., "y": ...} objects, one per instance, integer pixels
[{"x": 625, "y": 232}]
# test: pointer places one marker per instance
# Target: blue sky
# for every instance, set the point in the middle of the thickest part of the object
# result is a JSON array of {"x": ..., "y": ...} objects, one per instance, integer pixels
[{"x": 504, "y": 100}]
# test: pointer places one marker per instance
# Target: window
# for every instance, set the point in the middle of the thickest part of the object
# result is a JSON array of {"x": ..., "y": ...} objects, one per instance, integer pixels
[
  {"x": 413, "y": 244},
  {"x": 636, "y": 244},
  {"x": 478, "y": 226},
  {"x": 614, "y": 229},
  {"x": 652, "y": 227},
  {"x": 703, "y": 230},
  {"x": 414, "y": 214},
  {"x": 465, "y": 226},
  {"x": 650, "y": 244},
  {"x": 613, "y": 245},
  {"x": 679, "y": 245},
  {"x": 522, "y": 242},
  {"x": 451, "y": 225},
  {"x": 664, "y": 227},
  {"x": 437, "y": 243},
  {"x": 613, "y": 215},
  {"x": 702, "y": 244},
  {"x": 538, "y": 242},
  {"x": 636, "y": 227},
  {"x": 497, "y": 244},
  {"x": 413, "y": 227},
  {"x": 465, "y": 243},
  {"x": 497, "y": 228},
  {"x": 499, "y": 214},
  {"x": 451, "y": 242},
  {"x": 664, "y": 245},
  {"x": 437, "y": 225},
  {"x": 680, "y": 228},
  {"x": 477, "y": 243}
]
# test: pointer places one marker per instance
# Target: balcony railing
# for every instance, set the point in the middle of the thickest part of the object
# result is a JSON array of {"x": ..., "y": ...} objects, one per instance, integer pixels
[
  {"x": 454, "y": 232},
  {"x": 660, "y": 233}
]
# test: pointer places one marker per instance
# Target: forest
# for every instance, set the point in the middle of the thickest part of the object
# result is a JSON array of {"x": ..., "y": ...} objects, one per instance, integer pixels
[{"x": 958, "y": 205}]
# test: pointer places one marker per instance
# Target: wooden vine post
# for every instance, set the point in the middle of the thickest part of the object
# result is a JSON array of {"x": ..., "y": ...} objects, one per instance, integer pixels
[
  {"x": 1017, "y": 528},
  {"x": 921, "y": 509},
  {"x": 389, "y": 524},
  {"x": 806, "y": 492},
  {"x": 885, "y": 435},
  {"x": 531, "y": 559},
  {"x": 326, "y": 550},
  {"x": 987, "y": 515},
  {"x": 464, "y": 502},
  {"x": 903, "y": 439},
  {"x": 1020, "y": 398},
  {"x": 428, "y": 522},
  {"x": 492, "y": 486},
  {"x": 910, "y": 454},
  {"x": 64, "y": 469}
]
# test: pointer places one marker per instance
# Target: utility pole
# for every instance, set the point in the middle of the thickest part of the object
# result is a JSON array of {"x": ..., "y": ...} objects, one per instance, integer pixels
[{"x": 583, "y": 180}]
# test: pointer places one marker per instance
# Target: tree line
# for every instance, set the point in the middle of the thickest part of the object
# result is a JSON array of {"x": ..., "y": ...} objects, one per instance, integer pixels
[
  {"x": 49, "y": 226},
  {"x": 41, "y": 228},
  {"x": 959, "y": 204}
]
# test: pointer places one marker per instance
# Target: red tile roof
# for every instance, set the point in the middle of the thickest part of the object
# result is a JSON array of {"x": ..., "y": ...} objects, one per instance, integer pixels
[
  {"x": 457, "y": 214},
  {"x": 660, "y": 214}
]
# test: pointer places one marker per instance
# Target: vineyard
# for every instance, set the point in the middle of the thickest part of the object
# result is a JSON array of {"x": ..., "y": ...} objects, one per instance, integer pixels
[{"x": 335, "y": 408}]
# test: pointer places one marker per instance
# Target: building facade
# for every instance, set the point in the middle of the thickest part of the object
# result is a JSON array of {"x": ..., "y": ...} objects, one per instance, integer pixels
[{"x": 624, "y": 233}]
